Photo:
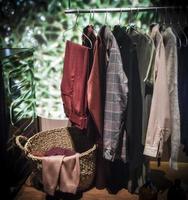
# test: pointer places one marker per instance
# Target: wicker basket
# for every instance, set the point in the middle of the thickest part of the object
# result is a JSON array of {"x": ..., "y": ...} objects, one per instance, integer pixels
[{"x": 59, "y": 137}]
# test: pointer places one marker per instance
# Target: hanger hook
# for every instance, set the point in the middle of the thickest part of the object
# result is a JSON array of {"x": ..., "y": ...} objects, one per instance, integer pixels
[
  {"x": 185, "y": 18},
  {"x": 89, "y": 16},
  {"x": 181, "y": 28},
  {"x": 131, "y": 15},
  {"x": 136, "y": 15},
  {"x": 129, "y": 21},
  {"x": 93, "y": 15},
  {"x": 78, "y": 13},
  {"x": 106, "y": 17},
  {"x": 164, "y": 17},
  {"x": 156, "y": 15},
  {"x": 167, "y": 15},
  {"x": 170, "y": 18},
  {"x": 178, "y": 15},
  {"x": 120, "y": 15},
  {"x": 137, "y": 11}
]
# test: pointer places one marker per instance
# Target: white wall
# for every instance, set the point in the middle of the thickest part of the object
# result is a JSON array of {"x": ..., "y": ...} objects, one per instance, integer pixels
[{"x": 47, "y": 124}]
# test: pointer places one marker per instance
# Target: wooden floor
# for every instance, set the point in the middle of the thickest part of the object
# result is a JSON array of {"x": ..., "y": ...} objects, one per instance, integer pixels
[
  {"x": 29, "y": 193},
  {"x": 163, "y": 176}
]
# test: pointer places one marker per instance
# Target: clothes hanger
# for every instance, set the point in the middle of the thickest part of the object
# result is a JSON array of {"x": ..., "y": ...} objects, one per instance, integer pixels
[
  {"x": 155, "y": 19},
  {"x": 185, "y": 19},
  {"x": 92, "y": 19},
  {"x": 185, "y": 25},
  {"x": 106, "y": 20},
  {"x": 119, "y": 20},
  {"x": 118, "y": 26},
  {"x": 90, "y": 31},
  {"x": 179, "y": 42},
  {"x": 129, "y": 20},
  {"x": 75, "y": 26},
  {"x": 133, "y": 27},
  {"x": 162, "y": 23},
  {"x": 65, "y": 31},
  {"x": 134, "y": 21},
  {"x": 185, "y": 42},
  {"x": 129, "y": 28}
]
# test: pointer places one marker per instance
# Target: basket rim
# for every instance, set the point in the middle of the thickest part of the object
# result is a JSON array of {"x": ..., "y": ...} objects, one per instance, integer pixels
[
  {"x": 80, "y": 154},
  {"x": 30, "y": 155},
  {"x": 35, "y": 135}
]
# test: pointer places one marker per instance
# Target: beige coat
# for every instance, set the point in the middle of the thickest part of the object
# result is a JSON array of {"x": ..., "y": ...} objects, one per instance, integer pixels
[
  {"x": 159, "y": 121},
  {"x": 172, "y": 67}
]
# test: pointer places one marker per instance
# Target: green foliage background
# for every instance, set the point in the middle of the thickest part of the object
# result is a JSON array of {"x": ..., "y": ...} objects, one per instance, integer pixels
[{"x": 47, "y": 31}]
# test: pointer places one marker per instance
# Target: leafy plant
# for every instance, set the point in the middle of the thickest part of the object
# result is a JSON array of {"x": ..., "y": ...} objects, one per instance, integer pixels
[{"x": 47, "y": 30}]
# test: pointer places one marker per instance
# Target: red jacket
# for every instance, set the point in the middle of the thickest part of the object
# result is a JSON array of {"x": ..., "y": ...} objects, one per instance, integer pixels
[{"x": 94, "y": 88}]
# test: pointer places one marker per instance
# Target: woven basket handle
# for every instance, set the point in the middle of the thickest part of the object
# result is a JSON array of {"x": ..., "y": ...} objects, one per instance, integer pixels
[{"x": 20, "y": 138}]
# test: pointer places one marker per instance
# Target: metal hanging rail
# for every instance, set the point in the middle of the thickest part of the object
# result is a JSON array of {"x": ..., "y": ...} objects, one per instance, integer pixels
[{"x": 128, "y": 9}]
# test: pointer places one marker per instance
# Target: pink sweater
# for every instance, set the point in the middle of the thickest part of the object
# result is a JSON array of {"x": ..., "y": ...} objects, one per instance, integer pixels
[{"x": 61, "y": 172}]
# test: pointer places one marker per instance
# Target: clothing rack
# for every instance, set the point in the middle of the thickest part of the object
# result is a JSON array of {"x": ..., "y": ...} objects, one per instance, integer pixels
[{"x": 115, "y": 10}]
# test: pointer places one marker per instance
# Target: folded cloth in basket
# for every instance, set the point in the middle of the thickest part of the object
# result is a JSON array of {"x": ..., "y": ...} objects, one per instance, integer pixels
[
  {"x": 59, "y": 151},
  {"x": 54, "y": 151},
  {"x": 61, "y": 171}
]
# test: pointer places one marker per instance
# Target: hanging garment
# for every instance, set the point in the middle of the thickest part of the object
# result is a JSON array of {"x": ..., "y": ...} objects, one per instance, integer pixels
[
  {"x": 159, "y": 120},
  {"x": 145, "y": 62},
  {"x": 133, "y": 115},
  {"x": 94, "y": 88},
  {"x": 114, "y": 140},
  {"x": 137, "y": 62},
  {"x": 140, "y": 102},
  {"x": 96, "y": 98},
  {"x": 96, "y": 85},
  {"x": 73, "y": 85},
  {"x": 88, "y": 39},
  {"x": 183, "y": 93},
  {"x": 170, "y": 45}
]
